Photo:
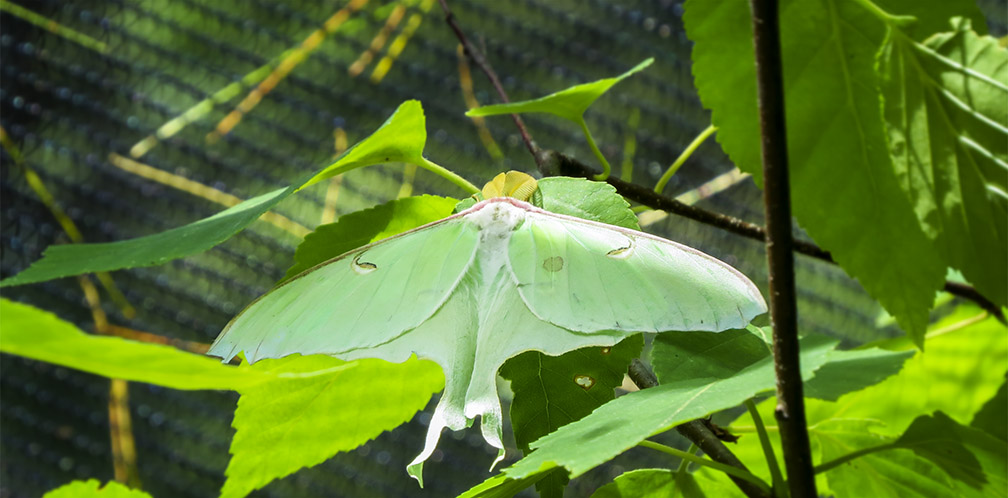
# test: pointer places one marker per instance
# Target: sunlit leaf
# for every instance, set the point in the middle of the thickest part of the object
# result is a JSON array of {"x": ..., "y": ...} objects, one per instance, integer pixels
[
  {"x": 586, "y": 199},
  {"x": 993, "y": 416},
  {"x": 581, "y": 198},
  {"x": 651, "y": 483},
  {"x": 40, "y": 335},
  {"x": 849, "y": 371},
  {"x": 936, "y": 438},
  {"x": 961, "y": 369},
  {"x": 278, "y": 423},
  {"x": 401, "y": 138},
  {"x": 892, "y": 473},
  {"x": 946, "y": 110},
  {"x": 92, "y": 488},
  {"x": 570, "y": 103},
  {"x": 500, "y": 486}
]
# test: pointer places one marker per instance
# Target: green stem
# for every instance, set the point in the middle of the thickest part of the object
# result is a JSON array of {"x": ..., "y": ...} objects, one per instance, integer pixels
[
  {"x": 447, "y": 174},
  {"x": 893, "y": 20},
  {"x": 684, "y": 464},
  {"x": 54, "y": 27},
  {"x": 776, "y": 478},
  {"x": 851, "y": 456},
  {"x": 686, "y": 153},
  {"x": 630, "y": 145},
  {"x": 727, "y": 469},
  {"x": 606, "y": 169},
  {"x": 758, "y": 332}
]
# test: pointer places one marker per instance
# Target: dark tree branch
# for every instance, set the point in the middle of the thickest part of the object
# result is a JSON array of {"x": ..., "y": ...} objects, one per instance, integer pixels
[
  {"x": 698, "y": 433},
  {"x": 790, "y": 410},
  {"x": 480, "y": 61}
]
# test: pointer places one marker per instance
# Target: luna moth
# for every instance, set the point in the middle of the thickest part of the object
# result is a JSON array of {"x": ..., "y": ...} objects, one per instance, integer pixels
[{"x": 471, "y": 290}]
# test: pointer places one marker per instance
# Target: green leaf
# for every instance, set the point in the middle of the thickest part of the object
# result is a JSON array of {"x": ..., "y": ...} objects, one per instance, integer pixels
[
  {"x": 845, "y": 191},
  {"x": 569, "y": 104},
  {"x": 936, "y": 438},
  {"x": 552, "y": 391},
  {"x": 33, "y": 333},
  {"x": 649, "y": 483},
  {"x": 849, "y": 371},
  {"x": 946, "y": 107},
  {"x": 679, "y": 356},
  {"x": 585, "y": 199},
  {"x": 626, "y": 421},
  {"x": 893, "y": 473},
  {"x": 964, "y": 365},
  {"x": 690, "y": 355},
  {"x": 932, "y": 17},
  {"x": 400, "y": 138},
  {"x": 990, "y": 451},
  {"x": 500, "y": 486},
  {"x": 653, "y": 483},
  {"x": 993, "y": 416},
  {"x": 715, "y": 483},
  {"x": 581, "y": 198},
  {"x": 919, "y": 463},
  {"x": 363, "y": 227},
  {"x": 93, "y": 488},
  {"x": 76, "y": 259},
  {"x": 316, "y": 407}
]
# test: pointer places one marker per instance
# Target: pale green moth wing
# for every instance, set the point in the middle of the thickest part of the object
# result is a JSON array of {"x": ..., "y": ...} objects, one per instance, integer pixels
[
  {"x": 586, "y": 276},
  {"x": 486, "y": 284},
  {"x": 338, "y": 306}
]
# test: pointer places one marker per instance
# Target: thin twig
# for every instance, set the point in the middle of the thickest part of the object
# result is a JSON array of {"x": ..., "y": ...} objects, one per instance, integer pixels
[
  {"x": 698, "y": 433},
  {"x": 555, "y": 163},
  {"x": 480, "y": 61}
]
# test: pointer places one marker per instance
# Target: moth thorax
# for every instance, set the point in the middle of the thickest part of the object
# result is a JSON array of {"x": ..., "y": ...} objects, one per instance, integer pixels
[{"x": 497, "y": 219}]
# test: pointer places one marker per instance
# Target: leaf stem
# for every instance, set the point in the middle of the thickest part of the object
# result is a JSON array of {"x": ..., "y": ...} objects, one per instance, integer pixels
[
  {"x": 686, "y": 456},
  {"x": 606, "y": 169},
  {"x": 825, "y": 467},
  {"x": 779, "y": 486},
  {"x": 447, "y": 174},
  {"x": 893, "y": 20},
  {"x": 684, "y": 463},
  {"x": 686, "y": 153}
]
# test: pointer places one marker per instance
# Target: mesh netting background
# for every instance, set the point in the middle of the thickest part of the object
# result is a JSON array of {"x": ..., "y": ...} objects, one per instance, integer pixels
[{"x": 75, "y": 101}]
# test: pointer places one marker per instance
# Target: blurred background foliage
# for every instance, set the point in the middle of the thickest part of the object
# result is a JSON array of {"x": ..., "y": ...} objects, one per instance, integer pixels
[{"x": 94, "y": 102}]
